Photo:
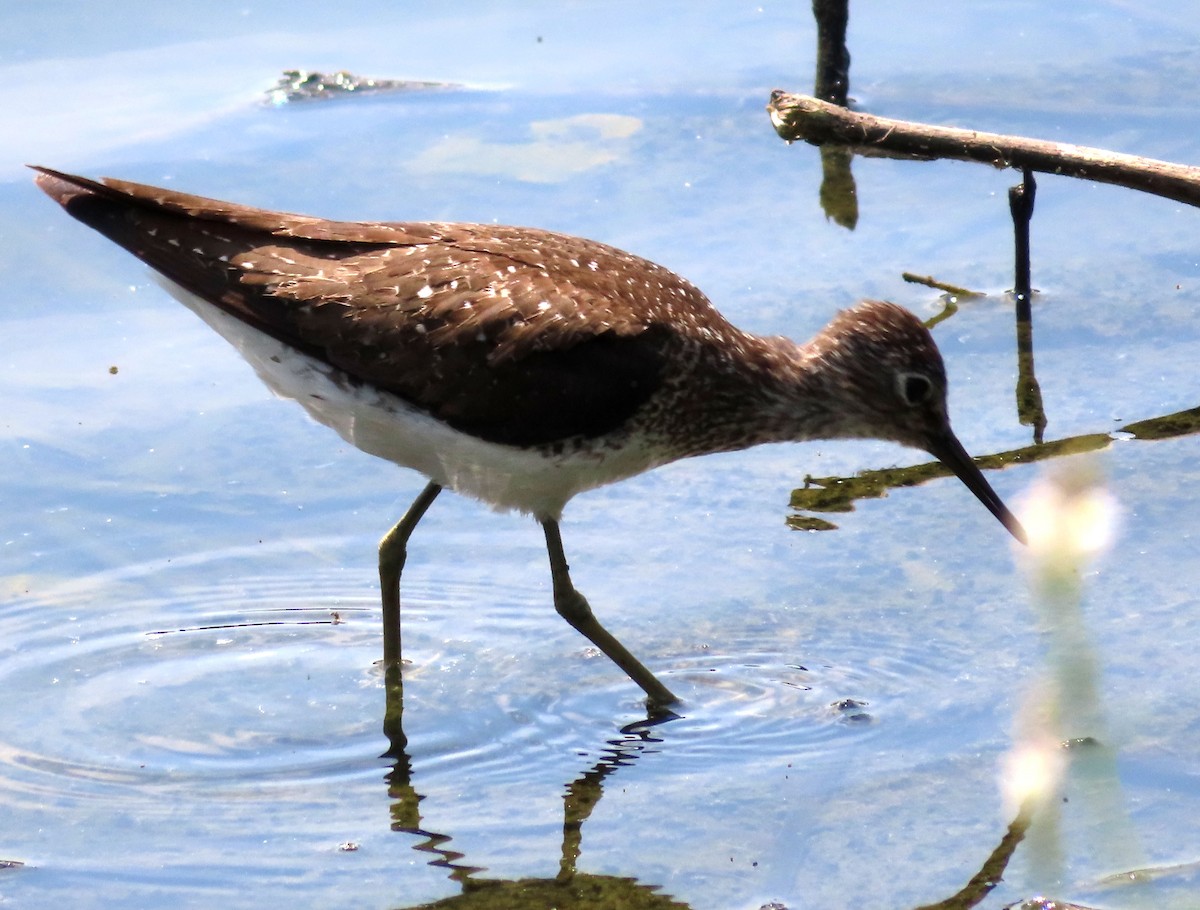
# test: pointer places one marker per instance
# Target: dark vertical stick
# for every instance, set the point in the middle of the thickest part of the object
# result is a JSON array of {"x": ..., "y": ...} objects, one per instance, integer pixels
[
  {"x": 1030, "y": 410},
  {"x": 839, "y": 194},
  {"x": 833, "y": 58},
  {"x": 1020, "y": 203},
  {"x": 839, "y": 197}
]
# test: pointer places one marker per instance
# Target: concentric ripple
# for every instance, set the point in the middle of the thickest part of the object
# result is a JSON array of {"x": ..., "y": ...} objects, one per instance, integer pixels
[
  {"x": 210, "y": 673},
  {"x": 205, "y": 672},
  {"x": 812, "y": 705},
  {"x": 143, "y": 678}
]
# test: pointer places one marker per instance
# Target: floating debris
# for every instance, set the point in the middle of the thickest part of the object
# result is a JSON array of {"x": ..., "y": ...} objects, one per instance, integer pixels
[{"x": 303, "y": 85}]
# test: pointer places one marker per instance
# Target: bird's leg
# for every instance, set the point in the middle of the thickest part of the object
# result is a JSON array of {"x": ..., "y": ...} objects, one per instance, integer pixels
[
  {"x": 574, "y": 608},
  {"x": 392, "y": 553}
]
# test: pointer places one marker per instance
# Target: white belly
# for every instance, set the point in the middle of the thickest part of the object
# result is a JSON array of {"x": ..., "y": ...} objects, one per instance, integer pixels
[{"x": 381, "y": 424}]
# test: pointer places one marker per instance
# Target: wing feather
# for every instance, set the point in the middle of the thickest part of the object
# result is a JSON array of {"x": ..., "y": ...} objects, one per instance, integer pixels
[{"x": 518, "y": 335}]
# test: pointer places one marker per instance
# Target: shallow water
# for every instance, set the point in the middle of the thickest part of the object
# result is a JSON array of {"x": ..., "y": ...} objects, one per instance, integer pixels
[{"x": 189, "y": 622}]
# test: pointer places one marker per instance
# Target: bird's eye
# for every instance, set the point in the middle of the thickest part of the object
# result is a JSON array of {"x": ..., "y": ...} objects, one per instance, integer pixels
[{"x": 914, "y": 388}]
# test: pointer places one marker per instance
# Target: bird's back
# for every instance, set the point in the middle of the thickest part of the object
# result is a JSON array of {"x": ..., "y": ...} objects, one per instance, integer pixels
[{"x": 517, "y": 336}]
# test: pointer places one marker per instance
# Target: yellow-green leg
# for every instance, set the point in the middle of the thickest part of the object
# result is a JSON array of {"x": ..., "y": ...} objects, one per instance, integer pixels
[
  {"x": 393, "y": 550},
  {"x": 574, "y": 608}
]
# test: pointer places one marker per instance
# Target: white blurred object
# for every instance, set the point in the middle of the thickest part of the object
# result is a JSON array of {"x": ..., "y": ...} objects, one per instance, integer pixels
[{"x": 1060, "y": 740}]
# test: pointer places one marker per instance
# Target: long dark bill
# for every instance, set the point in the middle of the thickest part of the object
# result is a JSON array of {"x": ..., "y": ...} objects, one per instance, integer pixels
[{"x": 950, "y": 452}]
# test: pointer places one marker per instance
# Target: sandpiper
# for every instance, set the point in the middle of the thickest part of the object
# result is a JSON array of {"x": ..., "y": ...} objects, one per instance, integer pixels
[{"x": 514, "y": 365}]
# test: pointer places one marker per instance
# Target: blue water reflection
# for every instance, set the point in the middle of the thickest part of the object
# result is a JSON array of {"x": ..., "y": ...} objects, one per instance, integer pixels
[{"x": 189, "y": 620}]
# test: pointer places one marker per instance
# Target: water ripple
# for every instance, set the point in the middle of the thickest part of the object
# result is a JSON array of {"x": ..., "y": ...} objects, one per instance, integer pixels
[
  {"x": 815, "y": 707},
  {"x": 211, "y": 673},
  {"x": 196, "y": 672}
]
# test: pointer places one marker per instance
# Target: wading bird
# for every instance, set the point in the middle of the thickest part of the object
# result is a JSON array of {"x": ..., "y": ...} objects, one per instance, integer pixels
[{"x": 514, "y": 365}]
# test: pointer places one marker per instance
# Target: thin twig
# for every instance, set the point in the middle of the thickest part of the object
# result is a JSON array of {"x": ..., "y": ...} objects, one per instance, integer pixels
[{"x": 930, "y": 282}]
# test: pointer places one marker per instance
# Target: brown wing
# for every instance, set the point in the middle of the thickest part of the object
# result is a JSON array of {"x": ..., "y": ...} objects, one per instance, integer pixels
[{"x": 519, "y": 336}]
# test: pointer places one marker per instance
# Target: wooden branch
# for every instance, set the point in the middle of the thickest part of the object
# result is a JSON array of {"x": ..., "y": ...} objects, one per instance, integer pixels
[{"x": 820, "y": 123}]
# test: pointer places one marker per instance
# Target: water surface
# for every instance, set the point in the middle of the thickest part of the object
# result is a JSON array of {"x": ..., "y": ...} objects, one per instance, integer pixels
[{"x": 189, "y": 623}]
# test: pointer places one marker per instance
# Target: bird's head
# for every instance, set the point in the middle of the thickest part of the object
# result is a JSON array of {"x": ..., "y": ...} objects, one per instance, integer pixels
[{"x": 878, "y": 365}]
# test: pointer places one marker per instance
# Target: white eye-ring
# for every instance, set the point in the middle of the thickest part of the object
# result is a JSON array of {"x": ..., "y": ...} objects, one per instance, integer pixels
[{"x": 914, "y": 388}]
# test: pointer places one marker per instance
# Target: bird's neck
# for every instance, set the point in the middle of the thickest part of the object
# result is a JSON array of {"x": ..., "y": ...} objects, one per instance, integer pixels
[{"x": 771, "y": 390}]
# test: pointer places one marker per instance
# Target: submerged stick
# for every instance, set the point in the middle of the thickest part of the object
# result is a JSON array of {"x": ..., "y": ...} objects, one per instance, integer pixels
[
  {"x": 1030, "y": 409},
  {"x": 930, "y": 282},
  {"x": 819, "y": 123}
]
